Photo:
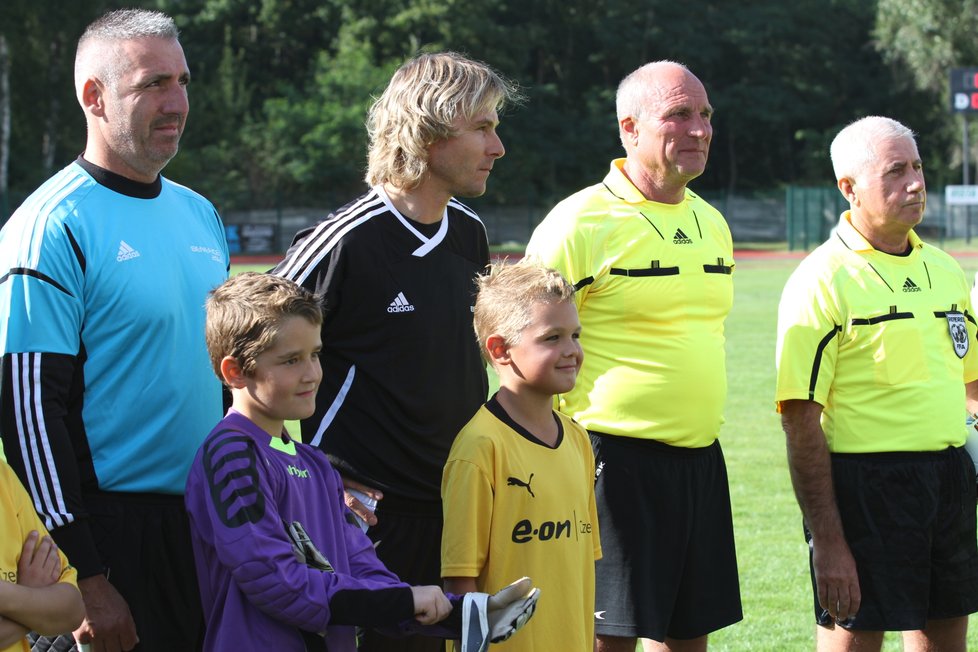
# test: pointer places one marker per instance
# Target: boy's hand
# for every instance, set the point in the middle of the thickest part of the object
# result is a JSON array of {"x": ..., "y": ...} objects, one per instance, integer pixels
[
  {"x": 355, "y": 505},
  {"x": 39, "y": 564},
  {"x": 430, "y": 604}
]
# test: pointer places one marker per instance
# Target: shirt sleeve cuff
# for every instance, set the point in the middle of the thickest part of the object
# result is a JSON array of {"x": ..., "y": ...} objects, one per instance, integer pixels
[{"x": 78, "y": 545}]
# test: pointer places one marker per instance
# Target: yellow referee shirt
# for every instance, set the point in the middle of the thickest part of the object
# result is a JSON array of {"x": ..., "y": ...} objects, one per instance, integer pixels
[
  {"x": 884, "y": 343},
  {"x": 654, "y": 287}
]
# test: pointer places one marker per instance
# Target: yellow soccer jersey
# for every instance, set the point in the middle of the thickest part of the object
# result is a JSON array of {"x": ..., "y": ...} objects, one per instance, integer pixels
[
  {"x": 884, "y": 343},
  {"x": 515, "y": 507},
  {"x": 654, "y": 287},
  {"x": 17, "y": 519}
]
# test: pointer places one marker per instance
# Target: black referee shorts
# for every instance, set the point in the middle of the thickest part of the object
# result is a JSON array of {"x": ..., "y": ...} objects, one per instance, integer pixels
[
  {"x": 669, "y": 567},
  {"x": 909, "y": 520}
]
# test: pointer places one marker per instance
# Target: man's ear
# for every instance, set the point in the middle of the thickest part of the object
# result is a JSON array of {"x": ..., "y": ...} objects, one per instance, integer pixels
[
  {"x": 628, "y": 128},
  {"x": 93, "y": 97},
  {"x": 497, "y": 349},
  {"x": 232, "y": 372},
  {"x": 846, "y": 188}
]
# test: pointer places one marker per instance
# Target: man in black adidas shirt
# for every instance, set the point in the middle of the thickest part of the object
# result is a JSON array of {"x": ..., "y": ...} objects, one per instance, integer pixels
[{"x": 401, "y": 369}]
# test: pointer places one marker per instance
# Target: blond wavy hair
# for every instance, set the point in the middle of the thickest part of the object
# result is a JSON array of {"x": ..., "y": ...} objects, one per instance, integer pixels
[{"x": 419, "y": 107}]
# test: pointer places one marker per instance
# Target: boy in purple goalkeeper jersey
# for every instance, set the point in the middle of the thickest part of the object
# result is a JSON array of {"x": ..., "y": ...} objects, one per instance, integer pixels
[{"x": 281, "y": 562}]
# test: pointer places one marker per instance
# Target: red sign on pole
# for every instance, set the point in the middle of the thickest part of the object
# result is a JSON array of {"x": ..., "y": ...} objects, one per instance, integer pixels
[{"x": 964, "y": 90}]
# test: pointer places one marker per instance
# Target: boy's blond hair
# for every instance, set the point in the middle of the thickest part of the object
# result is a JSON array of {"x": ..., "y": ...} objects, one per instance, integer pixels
[
  {"x": 506, "y": 297},
  {"x": 418, "y": 109},
  {"x": 245, "y": 313}
]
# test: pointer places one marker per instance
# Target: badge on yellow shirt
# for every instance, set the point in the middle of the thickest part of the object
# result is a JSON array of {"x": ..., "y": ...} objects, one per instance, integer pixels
[{"x": 959, "y": 332}]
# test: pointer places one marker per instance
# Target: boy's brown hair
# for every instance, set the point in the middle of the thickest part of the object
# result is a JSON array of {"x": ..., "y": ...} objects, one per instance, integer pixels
[
  {"x": 507, "y": 294},
  {"x": 245, "y": 312}
]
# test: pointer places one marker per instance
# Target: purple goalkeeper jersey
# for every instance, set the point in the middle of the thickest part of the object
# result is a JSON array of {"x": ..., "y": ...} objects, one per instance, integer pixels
[{"x": 243, "y": 488}]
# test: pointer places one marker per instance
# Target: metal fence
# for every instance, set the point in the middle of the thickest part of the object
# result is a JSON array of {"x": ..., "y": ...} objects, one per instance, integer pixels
[
  {"x": 801, "y": 217},
  {"x": 813, "y": 212}
]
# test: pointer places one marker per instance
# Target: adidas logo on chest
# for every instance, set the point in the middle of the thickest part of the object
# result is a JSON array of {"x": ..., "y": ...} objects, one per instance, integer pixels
[
  {"x": 910, "y": 286},
  {"x": 681, "y": 238},
  {"x": 126, "y": 252},
  {"x": 400, "y": 304}
]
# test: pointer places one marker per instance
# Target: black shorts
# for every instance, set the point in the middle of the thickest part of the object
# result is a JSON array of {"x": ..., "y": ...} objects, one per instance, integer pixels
[
  {"x": 909, "y": 520},
  {"x": 144, "y": 543},
  {"x": 669, "y": 567},
  {"x": 408, "y": 541}
]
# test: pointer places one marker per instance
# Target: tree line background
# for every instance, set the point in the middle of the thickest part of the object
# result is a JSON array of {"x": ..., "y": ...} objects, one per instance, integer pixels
[{"x": 281, "y": 87}]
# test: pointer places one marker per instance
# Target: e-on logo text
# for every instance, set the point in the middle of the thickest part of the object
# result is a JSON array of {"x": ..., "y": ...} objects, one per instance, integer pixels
[{"x": 524, "y": 531}]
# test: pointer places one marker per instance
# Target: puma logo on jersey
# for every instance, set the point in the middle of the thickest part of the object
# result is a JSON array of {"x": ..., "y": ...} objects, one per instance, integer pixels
[
  {"x": 681, "y": 238},
  {"x": 910, "y": 286},
  {"x": 126, "y": 252},
  {"x": 400, "y": 304},
  {"x": 516, "y": 482}
]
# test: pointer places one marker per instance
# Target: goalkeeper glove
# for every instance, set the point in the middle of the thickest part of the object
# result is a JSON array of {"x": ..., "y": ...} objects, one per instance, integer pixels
[{"x": 494, "y": 618}]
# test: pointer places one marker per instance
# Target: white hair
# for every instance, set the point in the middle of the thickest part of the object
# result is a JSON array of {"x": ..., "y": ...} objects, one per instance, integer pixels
[{"x": 854, "y": 148}]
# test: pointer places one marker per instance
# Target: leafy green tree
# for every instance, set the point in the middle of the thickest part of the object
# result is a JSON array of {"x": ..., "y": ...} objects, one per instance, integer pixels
[
  {"x": 281, "y": 87},
  {"x": 927, "y": 38},
  {"x": 47, "y": 128}
]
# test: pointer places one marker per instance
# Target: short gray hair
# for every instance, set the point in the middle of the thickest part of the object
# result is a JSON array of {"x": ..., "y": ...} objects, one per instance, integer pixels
[
  {"x": 92, "y": 56},
  {"x": 854, "y": 148},
  {"x": 635, "y": 92}
]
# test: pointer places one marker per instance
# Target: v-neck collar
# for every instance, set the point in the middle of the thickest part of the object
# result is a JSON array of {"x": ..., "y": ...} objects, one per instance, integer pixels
[{"x": 427, "y": 244}]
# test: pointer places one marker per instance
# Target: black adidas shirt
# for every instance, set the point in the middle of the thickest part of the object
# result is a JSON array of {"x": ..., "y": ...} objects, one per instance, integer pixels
[{"x": 402, "y": 371}]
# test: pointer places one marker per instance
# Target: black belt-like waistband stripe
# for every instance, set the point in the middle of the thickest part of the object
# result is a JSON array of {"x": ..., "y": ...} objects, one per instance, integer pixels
[
  {"x": 943, "y": 315},
  {"x": 718, "y": 269},
  {"x": 887, "y": 317},
  {"x": 647, "y": 271}
]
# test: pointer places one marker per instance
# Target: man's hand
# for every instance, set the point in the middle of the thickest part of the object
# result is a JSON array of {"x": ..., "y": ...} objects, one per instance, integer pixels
[
  {"x": 39, "y": 564},
  {"x": 836, "y": 579},
  {"x": 810, "y": 465},
  {"x": 430, "y": 604},
  {"x": 355, "y": 505},
  {"x": 108, "y": 625}
]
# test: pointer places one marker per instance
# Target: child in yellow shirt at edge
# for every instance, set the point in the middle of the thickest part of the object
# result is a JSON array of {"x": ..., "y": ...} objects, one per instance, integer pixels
[
  {"x": 518, "y": 487},
  {"x": 38, "y": 588}
]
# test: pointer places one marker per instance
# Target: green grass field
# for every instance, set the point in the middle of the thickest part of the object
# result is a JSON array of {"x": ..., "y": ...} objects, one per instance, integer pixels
[{"x": 772, "y": 554}]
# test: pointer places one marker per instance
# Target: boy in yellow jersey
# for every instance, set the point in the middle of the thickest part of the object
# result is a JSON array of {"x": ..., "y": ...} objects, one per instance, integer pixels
[
  {"x": 876, "y": 343},
  {"x": 518, "y": 487},
  {"x": 38, "y": 590}
]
